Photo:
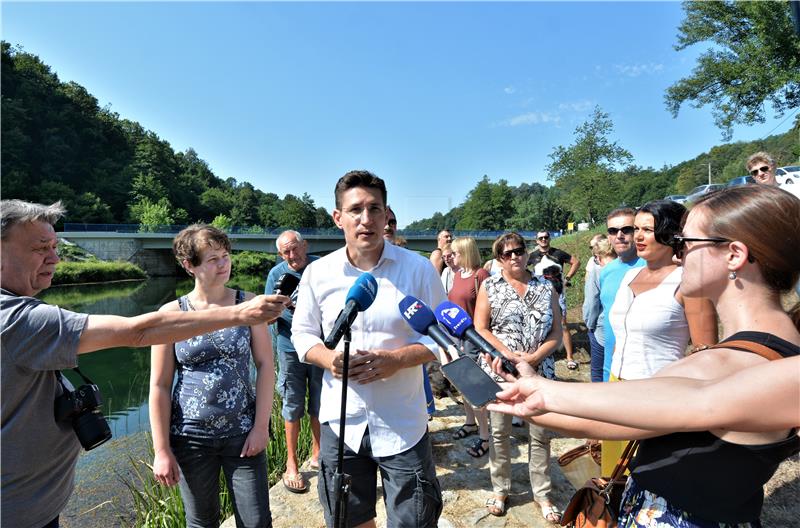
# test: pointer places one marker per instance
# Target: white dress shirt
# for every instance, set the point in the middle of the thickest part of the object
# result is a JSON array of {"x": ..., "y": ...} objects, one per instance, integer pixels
[{"x": 392, "y": 408}]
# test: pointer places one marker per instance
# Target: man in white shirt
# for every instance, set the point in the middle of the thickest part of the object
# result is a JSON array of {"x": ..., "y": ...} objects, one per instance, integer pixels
[{"x": 386, "y": 424}]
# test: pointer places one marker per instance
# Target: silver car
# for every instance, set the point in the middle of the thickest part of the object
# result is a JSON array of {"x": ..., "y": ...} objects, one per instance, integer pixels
[
  {"x": 700, "y": 190},
  {"x": 679, "y": 198}
]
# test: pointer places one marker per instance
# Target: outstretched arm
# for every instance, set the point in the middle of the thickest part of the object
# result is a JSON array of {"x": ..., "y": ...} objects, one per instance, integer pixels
[{"x": 667, "y": 404}]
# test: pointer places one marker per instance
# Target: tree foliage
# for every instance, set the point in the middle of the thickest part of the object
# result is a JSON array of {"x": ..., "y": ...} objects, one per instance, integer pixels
[
  {"x": 57, "y": 143},
  {"x": 754, "y": 57}
]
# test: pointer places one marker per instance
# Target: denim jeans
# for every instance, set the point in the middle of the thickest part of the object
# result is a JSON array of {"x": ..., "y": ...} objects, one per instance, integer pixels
[
  {"x": 596, "y": 354},
  {"x": 200, "y": 460}
]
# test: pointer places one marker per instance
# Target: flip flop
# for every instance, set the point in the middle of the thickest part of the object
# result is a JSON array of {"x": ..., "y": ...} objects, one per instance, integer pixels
[
  {"x": 572, "y": 365},
  {"x": 295, "y": 483}
]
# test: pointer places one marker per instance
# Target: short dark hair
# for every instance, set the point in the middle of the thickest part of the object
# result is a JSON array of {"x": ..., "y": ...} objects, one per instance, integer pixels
[
  {"x": 358, "y": 178},
  {"x": 668, "y": 217},
  {"x": 190, "y": 241},
  {"x": 501, "y": 241},
  {"x": 620, "y": 211}
]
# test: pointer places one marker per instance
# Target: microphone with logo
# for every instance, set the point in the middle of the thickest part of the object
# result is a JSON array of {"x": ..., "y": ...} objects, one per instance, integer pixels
[
  {"x": 286, "y": 285},
  {"x": 359, "y": 298},
  {"x": 459, "y": 324},
  {"x": 421, "y": 319},
  {"x": 473, "y": 383}
]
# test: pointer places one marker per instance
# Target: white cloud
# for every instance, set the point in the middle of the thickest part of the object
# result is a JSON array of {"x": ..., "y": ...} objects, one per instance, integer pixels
[
  {"x": 509, "y": 90},
  {"x": 576, "y": 106},
  {"x": 531, "y": 118},
  {"x": 635, "y": 70}
]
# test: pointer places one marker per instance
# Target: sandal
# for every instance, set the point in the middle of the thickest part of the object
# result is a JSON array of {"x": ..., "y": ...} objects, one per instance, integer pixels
[
  {"x": 571, "y": 365},
  {"x": 551, "y": 513},
  {"x": 476, "y": 450},
  {"x": 496, "y": 506},
  {"x": 314, "y": 465},
  {"x": 465, "y": 431},
  {"x": 295, "y": 483}
]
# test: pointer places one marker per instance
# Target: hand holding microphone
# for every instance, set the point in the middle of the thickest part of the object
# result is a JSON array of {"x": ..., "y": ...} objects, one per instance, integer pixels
[
  {"x": 286, "y": 285},
  {"x": 459, "y": 324},
  {"x": 359, "y": 298}
]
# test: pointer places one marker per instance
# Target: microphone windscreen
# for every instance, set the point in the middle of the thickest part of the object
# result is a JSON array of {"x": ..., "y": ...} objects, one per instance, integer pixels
[
  {"x": 454, "y": 318},
  {"x": 286, "y": 284},
  {"x": 363, "y": 291},
  {"x": 417, "y": 314}
]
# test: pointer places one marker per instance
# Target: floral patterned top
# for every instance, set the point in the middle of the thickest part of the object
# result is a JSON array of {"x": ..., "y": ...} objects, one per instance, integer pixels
[
  {"x": 213, "y": 396},
  {"x": 521, "y": 323}
]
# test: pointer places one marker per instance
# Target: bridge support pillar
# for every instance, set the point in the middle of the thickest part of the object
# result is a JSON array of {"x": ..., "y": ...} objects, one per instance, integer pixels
[{"x": 156, "y": 262}]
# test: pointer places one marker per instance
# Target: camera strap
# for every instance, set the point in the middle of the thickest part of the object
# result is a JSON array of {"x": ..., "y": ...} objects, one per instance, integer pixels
[{"x": 60, "y": 378}]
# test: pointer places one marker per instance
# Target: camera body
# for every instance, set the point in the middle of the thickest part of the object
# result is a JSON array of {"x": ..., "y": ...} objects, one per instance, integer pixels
[{"x": 81, "y": 408}]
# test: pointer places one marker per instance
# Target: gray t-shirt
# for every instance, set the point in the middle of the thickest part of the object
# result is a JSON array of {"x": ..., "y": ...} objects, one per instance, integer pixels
[{"x": 38, "y": 454}]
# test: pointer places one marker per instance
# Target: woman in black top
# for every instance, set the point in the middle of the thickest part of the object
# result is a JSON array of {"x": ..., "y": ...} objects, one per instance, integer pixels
[{"x": 734, "y": 250}]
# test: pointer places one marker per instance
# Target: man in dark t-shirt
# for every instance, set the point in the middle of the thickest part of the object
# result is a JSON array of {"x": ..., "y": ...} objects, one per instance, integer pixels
[{"x": 542, "y": 258}]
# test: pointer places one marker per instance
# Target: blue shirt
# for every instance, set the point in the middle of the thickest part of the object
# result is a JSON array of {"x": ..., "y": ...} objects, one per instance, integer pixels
[
  {"x": 281, "y": 330},
  {"x": 610, "y": 278}
]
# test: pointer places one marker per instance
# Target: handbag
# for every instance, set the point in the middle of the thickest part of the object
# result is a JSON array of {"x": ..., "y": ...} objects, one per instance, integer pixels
[
  {"x": 581, "y": 463},
  {"x": 596, "y": 504}
]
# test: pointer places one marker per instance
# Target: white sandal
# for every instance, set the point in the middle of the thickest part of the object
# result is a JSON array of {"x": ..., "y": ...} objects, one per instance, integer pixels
[{"x": 551, "y": 513}]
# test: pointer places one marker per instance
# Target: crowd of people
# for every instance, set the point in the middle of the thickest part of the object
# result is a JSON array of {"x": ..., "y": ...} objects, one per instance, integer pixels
[{"x": 657, "y": 285}]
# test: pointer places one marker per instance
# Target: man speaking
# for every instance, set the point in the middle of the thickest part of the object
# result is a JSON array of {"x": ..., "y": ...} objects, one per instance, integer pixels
[{"x": 386, "y": 424}]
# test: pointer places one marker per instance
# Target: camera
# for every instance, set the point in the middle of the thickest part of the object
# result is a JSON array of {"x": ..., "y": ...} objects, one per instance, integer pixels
[{"x": 81, "y": 408}]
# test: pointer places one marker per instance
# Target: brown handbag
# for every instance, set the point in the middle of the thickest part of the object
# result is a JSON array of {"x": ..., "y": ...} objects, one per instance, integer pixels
[
  {"x": 581, "y": 463},
  {"x": 596, "y": 504}
]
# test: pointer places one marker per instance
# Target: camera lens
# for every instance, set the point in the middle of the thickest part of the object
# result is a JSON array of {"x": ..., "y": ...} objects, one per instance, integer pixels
[{"x": 91, "y": 428}]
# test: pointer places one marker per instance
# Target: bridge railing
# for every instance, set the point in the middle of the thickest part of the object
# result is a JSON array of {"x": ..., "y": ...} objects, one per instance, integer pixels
[{"x": 530, "y": 236}]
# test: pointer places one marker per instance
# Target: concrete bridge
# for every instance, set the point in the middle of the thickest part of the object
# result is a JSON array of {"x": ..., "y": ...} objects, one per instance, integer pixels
[{"x": 152, "y": 249}]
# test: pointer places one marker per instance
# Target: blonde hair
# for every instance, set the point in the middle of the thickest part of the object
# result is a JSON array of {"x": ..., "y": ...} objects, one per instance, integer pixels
[
  {"x": 470, "y": 256},
  {"x": 761, "y": 156},
  {"x": 603, "y": 248}
]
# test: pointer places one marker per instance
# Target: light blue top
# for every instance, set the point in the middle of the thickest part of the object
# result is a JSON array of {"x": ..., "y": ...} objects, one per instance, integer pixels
[{"x": 610, "y": 278}]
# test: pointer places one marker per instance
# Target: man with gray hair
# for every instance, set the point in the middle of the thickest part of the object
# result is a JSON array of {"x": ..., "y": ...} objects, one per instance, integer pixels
[
  {"x": 294, "y": 376},
  {"x": 38, "y": 340}
]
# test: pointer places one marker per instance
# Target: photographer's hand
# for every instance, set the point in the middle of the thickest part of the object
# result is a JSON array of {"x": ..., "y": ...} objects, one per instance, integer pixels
[{"x": 165, "y": 468}]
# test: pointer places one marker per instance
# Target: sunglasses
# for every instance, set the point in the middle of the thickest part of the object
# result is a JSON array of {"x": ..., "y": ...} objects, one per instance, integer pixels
[
  {"x": 679, "y": 242},
  {"x": 517, "y": 252},
  {"x": 543, "y": 238},
  {"x": 763, "y": 169},
  {"x": 626, "y": 230}
]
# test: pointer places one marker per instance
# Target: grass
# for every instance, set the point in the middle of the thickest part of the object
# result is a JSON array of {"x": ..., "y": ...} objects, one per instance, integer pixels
[{"x": 95, "y": 271}]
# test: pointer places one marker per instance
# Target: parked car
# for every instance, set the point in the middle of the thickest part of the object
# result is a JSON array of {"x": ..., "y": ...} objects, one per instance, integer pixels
[
  {"x": 680, "y": 198},
  {"x": 787, "y": 175},
  {"x": 700, "y": 190},
  {"x": 741, "y": 180}
]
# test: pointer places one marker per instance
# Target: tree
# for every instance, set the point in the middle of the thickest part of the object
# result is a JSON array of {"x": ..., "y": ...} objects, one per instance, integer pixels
[
  {"x": 755, "y": 58},
  {"x": 487, "y": 206},
  {"x": 585, "y": 173}
]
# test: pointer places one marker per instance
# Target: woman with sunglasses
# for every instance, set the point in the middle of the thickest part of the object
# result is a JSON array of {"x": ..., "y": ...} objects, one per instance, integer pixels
[
  {"x": 733, "y": 250},
  {"x": 518, "y": 314}
]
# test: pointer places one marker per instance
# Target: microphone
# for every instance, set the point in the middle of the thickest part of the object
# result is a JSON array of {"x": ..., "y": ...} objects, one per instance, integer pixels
[
  {"x": 286, "y": 284},
  {"x": 459, "y": 324},
  {"x": 421, "y": 319},
  {"x": 360, "y": 297}
]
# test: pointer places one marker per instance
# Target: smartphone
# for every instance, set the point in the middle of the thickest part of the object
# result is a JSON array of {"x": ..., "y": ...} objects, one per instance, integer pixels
[{"x": 477, "y": 387}]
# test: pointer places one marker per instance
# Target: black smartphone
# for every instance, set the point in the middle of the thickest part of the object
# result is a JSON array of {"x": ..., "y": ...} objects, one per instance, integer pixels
[{"x": 471, "y": 381}]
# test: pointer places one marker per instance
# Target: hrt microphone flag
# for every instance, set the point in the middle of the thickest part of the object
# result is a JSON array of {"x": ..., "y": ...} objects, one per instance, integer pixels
[
  {"x": 360, "y": 297},
  {"x": 421, "y": 319},
  {"x": 459, "y": 324}
]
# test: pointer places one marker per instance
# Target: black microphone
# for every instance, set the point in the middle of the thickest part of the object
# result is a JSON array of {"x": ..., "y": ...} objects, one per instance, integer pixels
[
  {"x": 459, "y": 324},
  {"x": 421, "y": 318},
  {"x": 286, "y": 284},
  {"x": 359, "y": 298}
]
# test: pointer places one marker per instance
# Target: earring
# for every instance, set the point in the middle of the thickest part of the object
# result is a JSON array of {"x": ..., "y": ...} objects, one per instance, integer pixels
[{"x": 732, "y": 275}]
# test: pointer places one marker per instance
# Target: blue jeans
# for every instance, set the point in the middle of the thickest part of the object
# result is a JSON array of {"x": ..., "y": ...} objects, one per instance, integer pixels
[
  {"x": 597, "y": 355},
  {"x": 200, "y": 460}
]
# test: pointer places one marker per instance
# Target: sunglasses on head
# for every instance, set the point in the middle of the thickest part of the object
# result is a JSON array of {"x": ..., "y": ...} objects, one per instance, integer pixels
[
  {"x": 518, "y": 252},
  {"x": 626, "y": 230},
  {"x": 763, "y": 169}
]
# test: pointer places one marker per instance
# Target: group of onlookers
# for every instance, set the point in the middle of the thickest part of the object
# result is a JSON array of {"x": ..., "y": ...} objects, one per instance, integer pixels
[{"x": 659, "y": 280}]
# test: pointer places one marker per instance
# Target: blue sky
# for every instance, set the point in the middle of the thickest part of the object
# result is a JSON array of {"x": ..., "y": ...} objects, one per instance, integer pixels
[{"x": 429, "y": 96}]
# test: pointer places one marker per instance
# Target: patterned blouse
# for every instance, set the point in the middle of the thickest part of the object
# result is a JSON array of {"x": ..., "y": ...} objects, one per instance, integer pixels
[
  {"x": 521, "y": 323},
  {"x": 213, "y": 396}
]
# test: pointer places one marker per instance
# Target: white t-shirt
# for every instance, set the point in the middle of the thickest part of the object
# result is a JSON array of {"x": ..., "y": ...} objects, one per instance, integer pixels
[
  {"x": 651, "y": 329},
  {"x": 392, "y": 408}
]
